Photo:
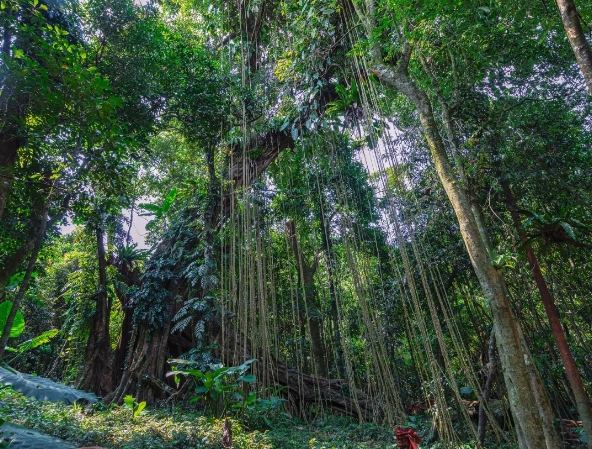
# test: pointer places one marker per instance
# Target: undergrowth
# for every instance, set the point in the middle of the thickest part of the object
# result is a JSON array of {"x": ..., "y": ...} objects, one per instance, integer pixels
[
  {"x": 173, "y": 428},
  {"x": 166, "y": 428}
]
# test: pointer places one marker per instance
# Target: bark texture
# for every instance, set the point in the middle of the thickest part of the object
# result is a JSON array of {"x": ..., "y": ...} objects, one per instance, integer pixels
[
  {"x": 98, "y": 356},
  {"x": 577, "y": 40}
]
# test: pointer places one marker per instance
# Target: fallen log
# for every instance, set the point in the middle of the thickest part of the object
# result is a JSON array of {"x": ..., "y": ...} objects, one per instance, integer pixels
[{"x": 301, "y": 389}]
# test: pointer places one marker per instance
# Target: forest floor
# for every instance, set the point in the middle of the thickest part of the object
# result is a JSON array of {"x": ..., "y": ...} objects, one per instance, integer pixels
[{"x": 172, "y": 428}]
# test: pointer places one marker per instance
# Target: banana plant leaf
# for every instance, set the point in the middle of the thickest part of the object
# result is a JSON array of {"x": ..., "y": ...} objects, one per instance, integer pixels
[
  {"x": 19, "y": 437},
  {"x": 44, "y": 389}
]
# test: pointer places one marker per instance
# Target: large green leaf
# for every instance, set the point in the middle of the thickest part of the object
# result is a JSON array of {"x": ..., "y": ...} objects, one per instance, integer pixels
[
  {"x": 138, "y": 409},
  {"x": 43, "y": 389},
  {"x": 39, "y": 340},
  {"x": 18, "y": 326},
  {"x": 19, "y": 437},
  {"x": 249, "y": 378}
]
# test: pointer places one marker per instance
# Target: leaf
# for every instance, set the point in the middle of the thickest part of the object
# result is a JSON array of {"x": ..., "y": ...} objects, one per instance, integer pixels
[
  {"x": 18, "y": 325},
  {"x": 568, "y": 230},
  {"x": 466, "y": 390},
  {"x": 252, "y": 397},
  {"x": 249, "y": 378},
  {"x": 43, "y": 389},
  {"x": 197, "y": 373},
  {"x": 237, "y": 395},
  {"x": 168, "y": 201},
  {"x": 141, "y": 406},
  {"x": 42, "y": 339},
  {"x": 285, "y": 125},
  {"x": 129, "y": 401},
  {"x": 150, "y": 207},
  {"x": 219, "y": 371},
  {"x": 353, "y": 94},
  {"x": 341, "y": 92}
]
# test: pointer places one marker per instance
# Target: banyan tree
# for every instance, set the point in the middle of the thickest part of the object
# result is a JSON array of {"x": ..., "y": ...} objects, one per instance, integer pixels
[{"x": 349, "y": 192}]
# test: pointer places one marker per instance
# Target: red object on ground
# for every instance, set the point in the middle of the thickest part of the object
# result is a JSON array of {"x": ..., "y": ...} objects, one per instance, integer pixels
[{"x": 407, "y": 437}]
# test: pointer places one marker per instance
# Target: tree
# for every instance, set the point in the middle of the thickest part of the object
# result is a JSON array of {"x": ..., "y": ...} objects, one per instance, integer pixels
[
  {"x": 508, "y": 335},
  {"x": 577, "y": 39}
]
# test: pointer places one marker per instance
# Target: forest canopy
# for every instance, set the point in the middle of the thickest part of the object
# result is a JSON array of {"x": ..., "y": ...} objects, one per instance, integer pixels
[{"x": 376, "y": 209}]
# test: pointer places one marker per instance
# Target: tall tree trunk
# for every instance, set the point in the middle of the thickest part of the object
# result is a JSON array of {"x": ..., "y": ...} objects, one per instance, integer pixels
[
  {"x": 582, "y": 399},
  {"x": 131, "y": 277},
  {"x": 521, "y": 395},
  {"x": 577, "y": 40},
  {"x": 97, "y": 374},
  {"x": 306, "y": 274},
  {"x": 540, "y": 395},
  {"x": 38, "y": 241}
]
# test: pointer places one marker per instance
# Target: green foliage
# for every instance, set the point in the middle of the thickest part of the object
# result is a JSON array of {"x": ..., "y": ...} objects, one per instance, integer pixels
[
  {"x": 178, "y": 429},
  {"x": 503, "y": 260},
  {"x": 35, "y": 342},
  {"x": 548, "y": 229},
  {"x": 158, "y": 429},
  {"x": 160, "y": 211},
  {"x": 136, "y": 408},
  {"x": 219, "y": 385},
  {"x": 127, "y": 102},
  {"x": 18, "y": 325},
  {"x": 348, "y": 98}
]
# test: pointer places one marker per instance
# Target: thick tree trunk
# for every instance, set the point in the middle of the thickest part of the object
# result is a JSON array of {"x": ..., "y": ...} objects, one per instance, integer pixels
[
  {"x": 97, "y": 374},
  {"x": 582, "y": 399},
  {"x": 38, "y": 241},
  {"x": 145, "y": 366},
  {"x": 516, "y": 373},
  {"x": 130, "y": 277},
  {"x": 577, "y": 40},
  {"x": 123, "y": 344}
]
